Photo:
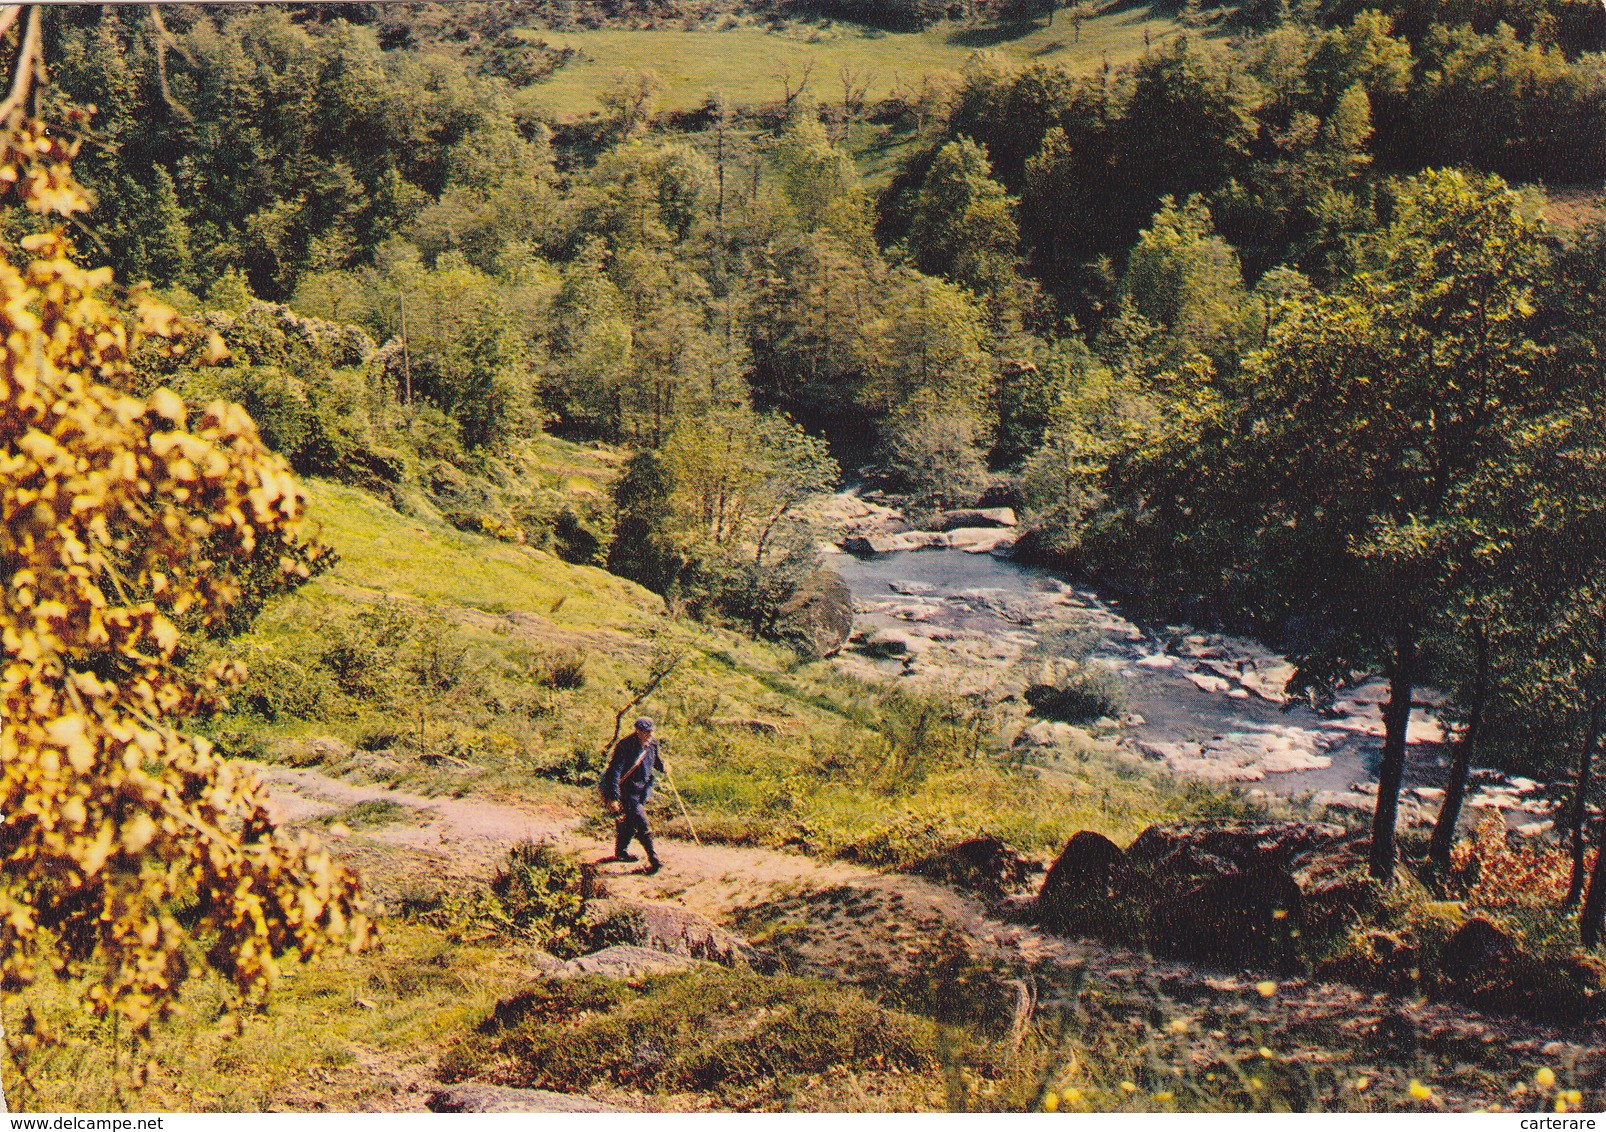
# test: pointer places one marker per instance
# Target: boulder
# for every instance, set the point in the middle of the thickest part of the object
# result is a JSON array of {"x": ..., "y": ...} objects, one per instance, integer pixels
[
  {"x": 1229, "y": 893},
  {"x": 624, "y": 961},
  {"x": 666, "y": 929},
  {"x": 1383, "y": 960},
  {"x": 1244, "y": 919},
  {"x": 1048, "y": 733},
  {"x": 1208, "y": 849},
  {"x": 1091, "y": 888},
  {"x": 870, "y": 545},
  {"x": 891, "y": 642},
  {"x": 912, "y": 589},
  {"x": 326, "y": 748},
  {"x": 1483, "y": 967},
  {"x": 921, "y": 540},
  {"x": 1206, "y": 682},
  {"x": 1337, "y": 883},
  {"x": 448, "y": 762},
  {"x": 474, "y": 1097},
  {"x": 984, "y": 864},
  {"x": 1474, "y": 950},
  {"x": 976, "y": 517},
  {"x": 980, "y": 540},
  {"x": 376, "y": 763}
]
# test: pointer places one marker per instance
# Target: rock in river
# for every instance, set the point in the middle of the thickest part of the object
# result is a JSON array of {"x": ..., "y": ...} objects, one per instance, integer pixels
[{"x": 976, "y": 517}]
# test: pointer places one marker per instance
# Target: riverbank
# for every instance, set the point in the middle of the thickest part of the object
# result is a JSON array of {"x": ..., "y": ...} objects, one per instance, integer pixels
[{"x": 1205, "y": 706}]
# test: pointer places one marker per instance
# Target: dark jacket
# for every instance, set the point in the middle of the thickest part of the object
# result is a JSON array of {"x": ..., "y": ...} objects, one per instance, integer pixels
[{"x": 625, "y": 780}]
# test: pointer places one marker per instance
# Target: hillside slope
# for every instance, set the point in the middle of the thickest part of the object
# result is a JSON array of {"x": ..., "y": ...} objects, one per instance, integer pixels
[{"x": 446, "y": 661}]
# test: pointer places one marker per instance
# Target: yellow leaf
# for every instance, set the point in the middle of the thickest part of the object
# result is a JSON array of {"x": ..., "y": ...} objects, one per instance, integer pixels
[{"x": 165, "y": 403}]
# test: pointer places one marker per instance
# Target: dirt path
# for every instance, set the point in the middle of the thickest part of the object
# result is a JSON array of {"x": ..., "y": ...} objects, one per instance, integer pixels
[
  {"x": 894, "y": 934},
  {"x": 469, "y": 834}
]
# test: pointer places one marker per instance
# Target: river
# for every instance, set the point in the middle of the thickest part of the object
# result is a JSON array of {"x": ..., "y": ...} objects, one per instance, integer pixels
[{"x": 1204, "y": 705}]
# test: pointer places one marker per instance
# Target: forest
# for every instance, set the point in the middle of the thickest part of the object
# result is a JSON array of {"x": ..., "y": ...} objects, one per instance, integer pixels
[{"x": 1287, "y": 322}]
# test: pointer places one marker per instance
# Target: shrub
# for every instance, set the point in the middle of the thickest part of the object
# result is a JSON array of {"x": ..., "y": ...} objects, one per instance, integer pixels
[
  {"x": 278, "y": 689},
  {"x": 1088, "y": 693},
  {"x": 902, "y": 842},
  {"x": 564, "y": 671},
  {"x": 350, "y": 656},
  {"x": 360, "y": 650},
  {"x": 919, "y": 733},
  {"x": 581, "y": 535},
  {"x": 1500, "y": 874},
  {"x": 381, "y": 737},
  {"x": 537, "y": 893},
  {"x": 439, "y": 658},
  {"x": 937, "y": 460}
]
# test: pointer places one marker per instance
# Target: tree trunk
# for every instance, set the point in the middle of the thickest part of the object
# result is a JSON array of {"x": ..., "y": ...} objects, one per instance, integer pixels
[
  {"x": 1580, "y": 809},
  {"x": 1396, "y": 717},
  {"x": 1455, "y": 788},
  {"x": 1595, "y": 899}
]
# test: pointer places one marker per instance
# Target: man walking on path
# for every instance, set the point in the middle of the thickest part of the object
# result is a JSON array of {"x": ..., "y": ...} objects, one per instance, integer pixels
[{"x": 626, "y": 786}]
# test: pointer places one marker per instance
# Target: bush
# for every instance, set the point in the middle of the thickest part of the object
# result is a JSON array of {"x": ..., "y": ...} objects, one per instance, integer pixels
[
  {"x": 938, "y": 461},
  {"x": 1498, "y": 872},
  {"x": 581, "y": 535},
  {"x": 921, "y": 733},
  {"x": 899, "y": 844},
  {"x": 360, "y": 650},
  {"x": 439, "y": 658},
  {"x": 537, "y": 893},
  {"x": 381, "y": 737},
  {"x": 540, "y": 894},
  {"x": 564, "y": 671},
  {"x": 278, "y": 689},
  {"x": 1087, "y": 694}
]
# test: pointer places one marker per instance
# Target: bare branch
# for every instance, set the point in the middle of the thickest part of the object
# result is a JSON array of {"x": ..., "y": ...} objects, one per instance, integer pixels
[
  {"x": 792, "y": 94},
  {"x": 164, "y": 40},
  {"x": 664, "y": 662},
  {"x": 28, "y": 65}
]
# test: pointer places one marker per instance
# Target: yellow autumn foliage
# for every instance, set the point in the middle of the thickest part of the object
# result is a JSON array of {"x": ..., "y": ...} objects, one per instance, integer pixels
[{"x": 121, "y": 520}]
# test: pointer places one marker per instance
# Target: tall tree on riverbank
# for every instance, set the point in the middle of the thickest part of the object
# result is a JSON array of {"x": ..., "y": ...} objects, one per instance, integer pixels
[
  {"x": 1373, "y": 422},
  {"x": 1337, "y": 482}
]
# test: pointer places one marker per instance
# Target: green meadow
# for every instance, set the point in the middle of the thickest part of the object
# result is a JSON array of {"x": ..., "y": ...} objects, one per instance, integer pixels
[{"x": 744, "y": 60}]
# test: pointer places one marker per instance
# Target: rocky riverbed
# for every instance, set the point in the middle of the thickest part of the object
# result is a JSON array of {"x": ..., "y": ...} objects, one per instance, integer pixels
[{"x": 946, "y": 606}]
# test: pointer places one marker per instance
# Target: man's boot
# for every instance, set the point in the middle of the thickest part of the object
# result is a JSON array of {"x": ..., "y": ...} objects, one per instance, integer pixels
[
  {"x": 621, "y": 842},
  {"x": 653, "y": 863}
]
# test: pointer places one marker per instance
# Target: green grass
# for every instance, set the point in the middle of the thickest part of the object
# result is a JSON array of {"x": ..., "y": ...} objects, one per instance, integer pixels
[
  {"x": 329, "y": 1038},
  {"x": 738, "y": 1038},
  {"x": 742, "y": 61},
  {"x": 387, "y": 553},
  {"x": 363, "y": 815},
  {"x": 765, "y": 749}
]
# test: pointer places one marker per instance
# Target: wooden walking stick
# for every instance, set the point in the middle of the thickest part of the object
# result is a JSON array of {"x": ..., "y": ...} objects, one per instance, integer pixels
[{"x": 669, "y": 778}]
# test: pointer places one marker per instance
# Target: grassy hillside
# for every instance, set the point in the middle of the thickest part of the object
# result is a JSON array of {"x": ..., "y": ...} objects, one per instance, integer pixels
[
  {"x": 426, "y": 642},
  {"x": 454, "y": 665},
  {"x": 741, "y": 58}
]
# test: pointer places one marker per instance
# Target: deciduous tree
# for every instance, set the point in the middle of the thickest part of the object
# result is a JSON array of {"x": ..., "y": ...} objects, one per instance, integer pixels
[{"x": 124, "y": 520}]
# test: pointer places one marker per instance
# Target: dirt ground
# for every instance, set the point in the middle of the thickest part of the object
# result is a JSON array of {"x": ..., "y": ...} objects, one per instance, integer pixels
[{"x": 921, "y": 945}]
